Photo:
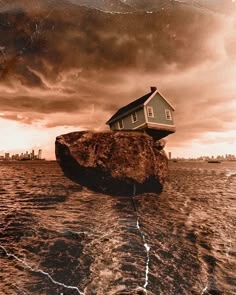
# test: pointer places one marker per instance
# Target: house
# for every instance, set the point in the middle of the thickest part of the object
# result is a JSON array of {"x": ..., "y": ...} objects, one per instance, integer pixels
[{"x": 151, "y": 113}]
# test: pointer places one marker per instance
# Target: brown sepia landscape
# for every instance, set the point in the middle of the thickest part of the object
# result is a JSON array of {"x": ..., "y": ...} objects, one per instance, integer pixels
[{"x": 117, "y": 151}]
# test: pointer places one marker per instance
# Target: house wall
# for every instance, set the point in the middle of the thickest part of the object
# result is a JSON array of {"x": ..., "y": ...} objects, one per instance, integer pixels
[
  {"x": 159, "y": 106},
  {"x": 113, "y": 126},
  {"x": 128, "y": 121}
]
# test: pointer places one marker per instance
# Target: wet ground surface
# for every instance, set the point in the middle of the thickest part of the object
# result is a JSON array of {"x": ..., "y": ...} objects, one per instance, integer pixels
[{"x": 59, "y": 238}]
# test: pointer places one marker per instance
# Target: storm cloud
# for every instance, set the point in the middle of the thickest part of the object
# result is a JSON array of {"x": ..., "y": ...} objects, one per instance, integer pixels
[
  {"x": 63, "y": 62},
  {"x": 90, "y": 40}
]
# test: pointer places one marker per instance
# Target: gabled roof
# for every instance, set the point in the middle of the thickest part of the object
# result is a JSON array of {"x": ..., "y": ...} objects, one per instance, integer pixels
[
  {"x": 147, "y": 101},
  {"x": 129, "y": 107},
  {"x": 138, "y": 103}
]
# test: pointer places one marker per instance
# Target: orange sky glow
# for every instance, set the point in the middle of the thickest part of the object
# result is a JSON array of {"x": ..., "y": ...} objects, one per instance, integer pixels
[{"x": 76, "y": 69}]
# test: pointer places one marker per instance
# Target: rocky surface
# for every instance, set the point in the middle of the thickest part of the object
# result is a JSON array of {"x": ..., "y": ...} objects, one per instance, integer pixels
[{"x": 117, "y": 163}]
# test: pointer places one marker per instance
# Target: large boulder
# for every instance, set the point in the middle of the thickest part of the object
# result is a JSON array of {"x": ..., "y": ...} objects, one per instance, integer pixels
[{"x": 116, "y": 163}]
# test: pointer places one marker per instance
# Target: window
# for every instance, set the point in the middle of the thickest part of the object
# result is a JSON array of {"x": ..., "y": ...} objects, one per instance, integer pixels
[
  {"x": 168, "y": 115},
  {"x": 134, "y": 117},
  {"x": 150, "y": 112},
  {"x": 120, "y": 124}
]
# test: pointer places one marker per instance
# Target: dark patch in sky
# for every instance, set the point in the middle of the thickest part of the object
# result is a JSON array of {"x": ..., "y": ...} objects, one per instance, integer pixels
[
  {"x": 91, "y": 40},
  {"x": 65, "y": 58}
]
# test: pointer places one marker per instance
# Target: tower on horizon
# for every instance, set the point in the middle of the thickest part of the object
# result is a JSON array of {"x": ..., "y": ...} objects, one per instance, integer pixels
[
  {"x": 32, "y": 155},
  {"x": 40, "y": 154}
]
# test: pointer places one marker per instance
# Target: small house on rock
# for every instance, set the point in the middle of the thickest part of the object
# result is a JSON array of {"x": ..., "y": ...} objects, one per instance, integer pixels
[{"x": 151, "y": 113}]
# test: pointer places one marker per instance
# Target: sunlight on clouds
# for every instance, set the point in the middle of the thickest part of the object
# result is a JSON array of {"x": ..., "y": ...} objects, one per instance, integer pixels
[
  {"x": 14, "y": 135},
  {"x": 73, "y": 87},
  {"x": 227, "y": 136},
  {"x": 209, "y": 144},
  {"x": 16, "y": 138}
]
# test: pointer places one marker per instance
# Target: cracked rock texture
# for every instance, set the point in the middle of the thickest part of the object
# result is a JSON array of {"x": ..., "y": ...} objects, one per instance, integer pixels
[{"x": 117, "y": 163}]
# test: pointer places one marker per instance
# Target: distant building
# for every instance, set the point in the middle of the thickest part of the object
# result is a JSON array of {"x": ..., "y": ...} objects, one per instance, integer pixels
[
  {"x": 151, "y": 113},
  {"x": 169, "y": 155},
  {"x": 7, "y": 156},
  {"x": 23, "y": 156},
  {"x": 32, "y": 155},
  {"x": 40, "y": 154}
]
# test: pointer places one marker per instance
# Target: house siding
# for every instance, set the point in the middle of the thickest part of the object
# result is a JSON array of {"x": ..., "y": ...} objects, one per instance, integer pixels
[
  {"x": 159, "y": 106},
  {"x": 128, "y": 121},
  {"x": 114, "y": 126}
]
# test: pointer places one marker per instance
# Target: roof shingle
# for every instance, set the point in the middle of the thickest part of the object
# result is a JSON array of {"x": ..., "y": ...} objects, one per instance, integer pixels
[{"x": 129, "y": 107}]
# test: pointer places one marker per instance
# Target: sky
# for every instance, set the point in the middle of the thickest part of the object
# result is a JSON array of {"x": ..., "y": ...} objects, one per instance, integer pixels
[{"x": 68, "y": 65}]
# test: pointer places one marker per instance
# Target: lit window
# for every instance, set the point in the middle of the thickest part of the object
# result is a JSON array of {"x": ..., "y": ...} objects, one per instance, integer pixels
[
  {"x": 168, "y": 115},
  {"x": 134, "y": 117},
  {"x": 120, "y": 124},
  {"x": 150, "y": 112}
]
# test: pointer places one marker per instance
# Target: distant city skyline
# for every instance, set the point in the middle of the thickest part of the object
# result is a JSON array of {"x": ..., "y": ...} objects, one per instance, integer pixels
[
  {"x": 27, "y": 155},
  {"x": 52, "y": 85},
  {"x": 170, "y": 155},
  {"x": 227, "y": 157},
  {"x": 191, "y": 150}
]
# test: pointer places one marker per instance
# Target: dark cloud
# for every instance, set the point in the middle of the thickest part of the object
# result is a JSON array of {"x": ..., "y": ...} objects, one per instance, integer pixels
[
  {"x": 40, "y": 105},
  {"x": 91, "y": 40},
  {"x": 59, "y": 60}
]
